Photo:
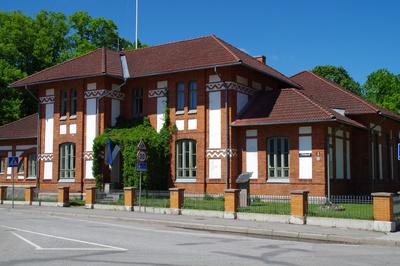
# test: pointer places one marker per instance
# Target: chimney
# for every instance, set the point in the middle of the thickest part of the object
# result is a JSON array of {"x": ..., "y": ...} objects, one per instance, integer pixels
[{"x": 261, "y": 58}]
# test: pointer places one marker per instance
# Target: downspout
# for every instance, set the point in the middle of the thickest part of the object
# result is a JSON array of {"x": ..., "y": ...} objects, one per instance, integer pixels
[
  {"x": 125, "y": 72},
  {"x": 372, "y": 148},
  {"x": 328, "y": 179},
  {"x": 37, "y": 183},
  {"x": 227, "y": 153}
]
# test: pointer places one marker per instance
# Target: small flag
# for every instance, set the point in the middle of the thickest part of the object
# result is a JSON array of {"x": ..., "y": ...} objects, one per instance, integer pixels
[{"x": 113, "y": 150}]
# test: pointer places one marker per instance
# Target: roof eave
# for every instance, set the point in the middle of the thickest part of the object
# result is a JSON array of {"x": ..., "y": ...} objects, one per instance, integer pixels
[
  {"x": 298, "y": 122},
  {"x": 62, "y": 79},
  {"x": 184, "y": 70}
]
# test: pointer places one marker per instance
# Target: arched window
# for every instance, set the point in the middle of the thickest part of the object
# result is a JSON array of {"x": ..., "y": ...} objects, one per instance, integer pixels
[
  {"x": 67, "y": 161},
  {"x": 186, "y": 159},
  {"x": 278, "y": 158},
  {"x": 32, "y": 165}
]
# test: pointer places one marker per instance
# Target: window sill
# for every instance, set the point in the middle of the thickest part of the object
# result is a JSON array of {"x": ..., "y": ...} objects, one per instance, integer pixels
[
  {"x": 278, "y": 180},
  {"x": 63, "y": 118},
  {"x": 31, "y": 178},
  {"x": 182, "y": 180},
  {"x": 66, "y": 180},
  {"x": 72, "y": 117},
  {"x": 192, "y": 112},
  {"x": 179, "y": 112}
]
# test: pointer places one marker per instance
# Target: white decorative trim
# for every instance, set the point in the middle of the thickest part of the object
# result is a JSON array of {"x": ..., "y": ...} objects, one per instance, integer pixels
[
  {"x": 220, "y": 153},
  {"x": 98, "y": 93},
  {"x": 88, "y": 155},
  {"x": 47, "y": 99},
  {"x": 232, "y": 86},
  {"x": 157, "y": 93},
  {"x": 47, "y": 157}
]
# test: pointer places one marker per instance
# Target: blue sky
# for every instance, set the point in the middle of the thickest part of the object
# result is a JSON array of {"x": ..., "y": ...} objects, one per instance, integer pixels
[{"x": 294, "y": 35}]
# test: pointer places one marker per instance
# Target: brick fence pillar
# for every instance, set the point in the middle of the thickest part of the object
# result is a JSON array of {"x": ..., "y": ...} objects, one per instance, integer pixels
[
  {"x": 298, "y": 206},
  {"x": 29, "y": 194},
  {"x": 176, "y": 200},
  {"x": 231, "y": 203},
  {"x": 383, "y": 212},
  {"x": 3, "y": 194},
  {"x": 90, "y": 197},
  {"x": 63, "y": 197},
  {"x": 129, "y": 198}
]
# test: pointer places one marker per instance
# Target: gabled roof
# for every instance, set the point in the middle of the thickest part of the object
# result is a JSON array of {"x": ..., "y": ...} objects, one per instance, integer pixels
[
  {"x": 287, "y": 106},
  {"x": 193, "y": 54},
  {"x": 24, "y": 128},
  {"x": 97, "y": 63},
  {"x": 334, "y": 96}
]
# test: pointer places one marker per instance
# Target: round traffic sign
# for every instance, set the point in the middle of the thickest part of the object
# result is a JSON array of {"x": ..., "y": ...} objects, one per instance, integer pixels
[{"x": 141, "y": 156}]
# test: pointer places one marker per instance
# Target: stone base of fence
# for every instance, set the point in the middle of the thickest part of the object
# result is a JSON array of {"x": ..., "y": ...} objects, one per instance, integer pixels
[{"x": 90, "y": 197}]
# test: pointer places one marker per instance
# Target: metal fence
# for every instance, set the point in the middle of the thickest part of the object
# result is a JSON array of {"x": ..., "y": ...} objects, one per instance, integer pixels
[
  {"x": 268, "y": 204},
  {"x": 342, "y": 206},
  {"x": 211, "y": 202},
  {"x": 152, "y": 198}
]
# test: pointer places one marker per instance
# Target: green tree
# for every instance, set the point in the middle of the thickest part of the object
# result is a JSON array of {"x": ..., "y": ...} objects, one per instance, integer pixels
[
  {"x": 383, "y": 88},
  {"x": 340, "y": 76},
  {"x": 92, "y": 33},
  {"x": 29, "y": 45}
]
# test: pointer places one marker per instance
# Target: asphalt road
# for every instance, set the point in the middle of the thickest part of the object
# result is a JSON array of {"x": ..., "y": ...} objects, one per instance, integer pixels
[{"x": 31, "y": 239}]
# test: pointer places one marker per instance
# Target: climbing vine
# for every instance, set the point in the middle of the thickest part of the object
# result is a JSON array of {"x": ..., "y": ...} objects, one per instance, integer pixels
[{"x": 127, "y": 135}]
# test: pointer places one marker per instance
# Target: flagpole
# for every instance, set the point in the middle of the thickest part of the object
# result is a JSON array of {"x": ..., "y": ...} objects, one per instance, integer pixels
[{"x": 137, "y": 14}]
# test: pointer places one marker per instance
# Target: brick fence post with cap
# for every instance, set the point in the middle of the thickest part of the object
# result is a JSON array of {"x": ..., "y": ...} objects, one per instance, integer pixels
[
  {"x": 231, "y": 203},
  {"x": 63, "y": 197},
  {"x": 3, "y": 194},
  {"x": 29, "y": 194},
  {"x": 298, "y": 206},
  {"x": 176, "y": 200},
  {"x": 90, "y": 197},
  {"x": 129, "y": 198},
  {"x": 383, "y": 212}
]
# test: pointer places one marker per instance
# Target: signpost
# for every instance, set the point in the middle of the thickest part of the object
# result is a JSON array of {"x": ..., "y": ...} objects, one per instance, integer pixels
[
  {"x": 141, "y": 166},
  {"x": 12, "y": 162}
]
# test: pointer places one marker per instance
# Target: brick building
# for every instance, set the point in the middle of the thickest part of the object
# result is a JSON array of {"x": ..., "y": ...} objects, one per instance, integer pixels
[{"x": 233, "y": 114}]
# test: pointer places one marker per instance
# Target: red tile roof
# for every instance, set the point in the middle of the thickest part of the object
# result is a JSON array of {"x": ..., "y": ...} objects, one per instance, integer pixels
[
  {"x": 334, "y": 96},
  {"x": 99, "y": 62},
  {"x": 24, "y": 128},
  {"x": 286, "y": 106},
  {"x": 204, "y": 52}
]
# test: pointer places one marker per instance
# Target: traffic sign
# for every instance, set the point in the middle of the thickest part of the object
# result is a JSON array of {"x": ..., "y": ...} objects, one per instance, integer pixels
[
  {"x": 141, "y": 167},
  {"x": 141, "y": 145},
  {"x": 12, "y": 161},
  {"x": 141, "y": 156}
]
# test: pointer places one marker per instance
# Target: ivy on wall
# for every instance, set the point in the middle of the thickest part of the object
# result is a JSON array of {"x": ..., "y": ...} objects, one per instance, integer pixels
[{"x": 127, "y": 135}]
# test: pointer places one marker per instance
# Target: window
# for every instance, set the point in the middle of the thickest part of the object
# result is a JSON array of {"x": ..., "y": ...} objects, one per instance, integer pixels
[
  {"x": 278, "y": 158},
  {"x": 180, "y": 96},
  {"x": 73, "y": 103},
  {"x": 193, "y": 95},
  {"x": 186, "y": 159},
  {"x": 21, "y": 167},
  {"x": 67, "y": 161},
  {"x": 63, "y": 107},
  {"x": 137, "y": 103},
  {"x": 32, "y": 165},
  {"x": 2, "y": 164}
]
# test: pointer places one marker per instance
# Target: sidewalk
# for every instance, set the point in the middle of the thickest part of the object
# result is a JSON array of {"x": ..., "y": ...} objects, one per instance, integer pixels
[{"x": 202, "y": 221}]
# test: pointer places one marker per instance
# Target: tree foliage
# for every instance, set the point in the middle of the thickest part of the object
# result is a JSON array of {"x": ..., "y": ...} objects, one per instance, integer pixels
[
  {"x": 383, "y": 88},
  {"x": 340, "y": 76},
  {"x": 31, "y": 44}
]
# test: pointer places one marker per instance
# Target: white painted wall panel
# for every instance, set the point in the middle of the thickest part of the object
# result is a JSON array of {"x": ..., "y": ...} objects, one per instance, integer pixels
[
  {"x": 161, "y": 105},
  {"x": 214, "y": 126},
  {"x": 49, "y": 128},
  {"x": 115, "y": 111},
  {"x": 88, "y": 167},
  {"x": 214, "y": 168},
  {"x": 305, "y": 157},
  {"x": 252, "y": 157},
  {"x": 91, "y": 122},
  {"x": 48, "y": 170}
]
